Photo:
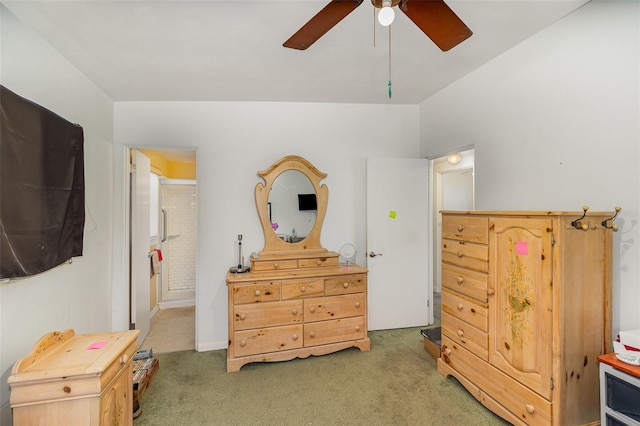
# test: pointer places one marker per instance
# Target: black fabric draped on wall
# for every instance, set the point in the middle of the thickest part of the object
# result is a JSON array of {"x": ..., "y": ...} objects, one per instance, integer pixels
[{"x": 41, "y": 188}]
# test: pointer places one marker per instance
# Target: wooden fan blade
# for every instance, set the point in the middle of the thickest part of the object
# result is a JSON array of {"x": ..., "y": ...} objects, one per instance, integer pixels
[
  {"x": 322, "y": 22},
  {"x": 437, "y": 21}
]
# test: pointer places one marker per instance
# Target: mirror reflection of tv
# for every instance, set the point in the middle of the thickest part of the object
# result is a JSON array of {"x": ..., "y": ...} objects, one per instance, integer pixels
[{"x": 307, "y": 202}]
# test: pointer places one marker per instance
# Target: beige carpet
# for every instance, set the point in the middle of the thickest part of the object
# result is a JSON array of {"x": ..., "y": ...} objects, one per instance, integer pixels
[
  {"x": 396, "y": 383},
  {"x": 172, "y": 330}
]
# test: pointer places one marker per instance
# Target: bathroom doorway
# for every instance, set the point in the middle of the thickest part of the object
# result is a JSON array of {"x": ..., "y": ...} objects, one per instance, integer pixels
[
  {"x": 173, "y": 249},
  {"x": 452, "y": 188}
]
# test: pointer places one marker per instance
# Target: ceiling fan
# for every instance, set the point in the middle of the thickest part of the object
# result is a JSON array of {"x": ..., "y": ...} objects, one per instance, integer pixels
[{"x": 433, "y": 17}]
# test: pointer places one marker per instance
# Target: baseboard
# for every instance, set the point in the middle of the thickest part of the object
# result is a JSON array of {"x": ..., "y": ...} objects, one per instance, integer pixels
[
  {"x": 176, "y": 304},
  {"x": 213, "y": 346}
]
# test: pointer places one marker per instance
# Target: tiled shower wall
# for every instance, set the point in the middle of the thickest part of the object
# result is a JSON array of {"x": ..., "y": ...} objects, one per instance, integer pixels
[{"x": 179, "y": 250}]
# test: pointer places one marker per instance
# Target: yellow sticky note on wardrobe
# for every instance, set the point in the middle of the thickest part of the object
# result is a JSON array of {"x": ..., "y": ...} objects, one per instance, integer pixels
[{"x": 392, "y": 214}]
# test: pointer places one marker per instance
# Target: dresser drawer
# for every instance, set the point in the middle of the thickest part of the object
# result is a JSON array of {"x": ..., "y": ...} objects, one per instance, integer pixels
[
  {"x": 466, "y": 228},
  {"x": 468, "y": 255},
  {"x": 256, "y": 292},
  {"x": 326, "y": 308},
  {"x": 345, "y": 284},
  {"x": 333, "y": 331},
  {"x": 273, "y": 265},
  {"x": 465, "y": 281},
  {"x": 263, "y": 340},
  {"x": 466, "y": 310},
  {"x": 267, "y": 314},
  {"x": 524, "y": 403},
  {"x": 301, "y": 289},
  {"x": 318, "y": 262},
  {"x": 466, "y": 335}
]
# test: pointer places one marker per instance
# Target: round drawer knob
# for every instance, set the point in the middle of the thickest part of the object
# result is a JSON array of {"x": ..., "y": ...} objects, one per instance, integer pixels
[
  {"x": 312, "y": 310},
  {"x": 460, "y": 306},
  {"x": 257, "y": 292},
  {"x": 530, "y": 408},
  {"x": 66, "y": 389},
  {"x": 243, "y": 317},
  {"x": 460, "y": 254},
  {"x": 460, "y": 333},
  {"x": 294, "y": 337},
  {"x": 312, "y": 334},
  {"x": 318, "y": 262},
  {"x": 276, "y": 265},
  {"x": 123, "y": 359},
  {"x": 303, "y": 289},
  {"x": 491, "y": 292},
  {"x": 294, "y": 312},
  {"x": 243, "y": 343},
  {"x": 460, "y": 279},
  {"x": 460, "y": 228},
  {"x": 345, "y": 285},
  {"x": 447, "y": 351},
  {"x": 357, "y": 328},
  {"x": 357, "y": 304}
]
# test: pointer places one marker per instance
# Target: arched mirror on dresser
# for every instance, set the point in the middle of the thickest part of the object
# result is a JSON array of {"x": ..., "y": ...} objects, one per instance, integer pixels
[{"x": 296, "y": 300}]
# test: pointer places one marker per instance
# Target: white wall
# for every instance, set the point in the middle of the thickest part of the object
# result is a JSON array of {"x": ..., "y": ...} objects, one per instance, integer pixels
[
  {"x": 72, "y": 296},
  {"x": 236, "y": 140},
  {"x": 555, "y": 126}
]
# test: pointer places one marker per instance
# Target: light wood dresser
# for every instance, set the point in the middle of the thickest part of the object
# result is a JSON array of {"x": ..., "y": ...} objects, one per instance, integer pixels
[
  {"x": 75, "y": 380},
  {"x": 281, "y": 315},
  {"x": 526, "y": 311},
  {"x": 297, "y": 300}
]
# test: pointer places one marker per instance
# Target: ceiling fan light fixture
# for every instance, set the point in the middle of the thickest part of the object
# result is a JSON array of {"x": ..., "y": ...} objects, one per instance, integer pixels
[{"x": 386, "y": 14}]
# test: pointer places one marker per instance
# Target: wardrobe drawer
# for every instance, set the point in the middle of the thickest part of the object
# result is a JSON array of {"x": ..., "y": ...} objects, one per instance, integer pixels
[
  {"x": 466, "y": 228},
  {"x": 264, "y": 340},
  {"x": 267, "y": 314},
  {"x": 345, "y": 284},
  {"x": 301, "y": 289},
  {"x": 256, "y": 292},
  {"x": 466, "y": 335},
  {"x": 465, "y": 281},
  {"x": 326, "y": 308},
  {"x": 524, "y": 403},
  {"x": 333, "y": 331},
  {"x": 465, "y": 309},
  {"x": 467, "y": 255}
]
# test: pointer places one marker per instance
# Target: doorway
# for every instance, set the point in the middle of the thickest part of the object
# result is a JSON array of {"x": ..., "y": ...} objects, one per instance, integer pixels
[
  {"x": 172, "y": 245},
  {"x": 452, "y": 188}
]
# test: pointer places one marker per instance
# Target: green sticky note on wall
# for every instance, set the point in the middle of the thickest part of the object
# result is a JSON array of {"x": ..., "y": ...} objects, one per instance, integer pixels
[{"x": 392, "y": 214}]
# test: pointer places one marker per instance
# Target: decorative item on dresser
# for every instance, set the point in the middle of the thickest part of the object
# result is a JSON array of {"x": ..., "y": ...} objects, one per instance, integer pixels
[
  {"x": 526, "y": 311},
  {"x": 297, "y": 300},
  {"x": 69, "y": 379}
]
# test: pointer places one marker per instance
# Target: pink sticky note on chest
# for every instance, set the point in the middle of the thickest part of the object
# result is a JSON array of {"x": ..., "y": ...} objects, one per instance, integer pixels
[
  {"x": 97, "y": 345},
  {"x": 522, "y": 247}
]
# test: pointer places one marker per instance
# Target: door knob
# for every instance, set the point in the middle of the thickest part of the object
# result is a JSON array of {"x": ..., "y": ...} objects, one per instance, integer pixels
[{"x": 374, "y": 254}]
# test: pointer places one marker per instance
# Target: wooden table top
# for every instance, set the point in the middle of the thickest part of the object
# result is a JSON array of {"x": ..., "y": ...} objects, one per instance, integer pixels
[{"x": 610, "y": 359}]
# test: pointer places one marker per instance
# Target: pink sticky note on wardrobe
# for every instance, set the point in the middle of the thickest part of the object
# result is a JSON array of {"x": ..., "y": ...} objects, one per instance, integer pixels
[
  {"x": 522, "y": 247},
  {"x": 97, "y": 345}
]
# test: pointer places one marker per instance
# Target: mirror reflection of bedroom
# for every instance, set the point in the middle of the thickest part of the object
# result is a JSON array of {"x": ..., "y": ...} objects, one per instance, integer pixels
[{"x": 172, "y": 251}]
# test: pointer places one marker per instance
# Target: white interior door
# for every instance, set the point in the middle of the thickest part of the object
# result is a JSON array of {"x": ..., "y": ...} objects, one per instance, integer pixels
[
  {"x": 397, "y": 238},
  {"x": 140, "y": 243}
]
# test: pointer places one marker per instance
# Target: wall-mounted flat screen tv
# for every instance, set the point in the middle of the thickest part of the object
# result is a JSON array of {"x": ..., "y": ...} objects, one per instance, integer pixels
[{"x": 307, "y": 202}]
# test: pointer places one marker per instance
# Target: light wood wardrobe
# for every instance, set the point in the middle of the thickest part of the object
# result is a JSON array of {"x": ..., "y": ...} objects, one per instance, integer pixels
[{"x": 526, "y": 310}]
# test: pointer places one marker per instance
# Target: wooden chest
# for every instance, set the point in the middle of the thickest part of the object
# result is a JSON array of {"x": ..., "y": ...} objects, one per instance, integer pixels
[{"x": 69, "y": 380}]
